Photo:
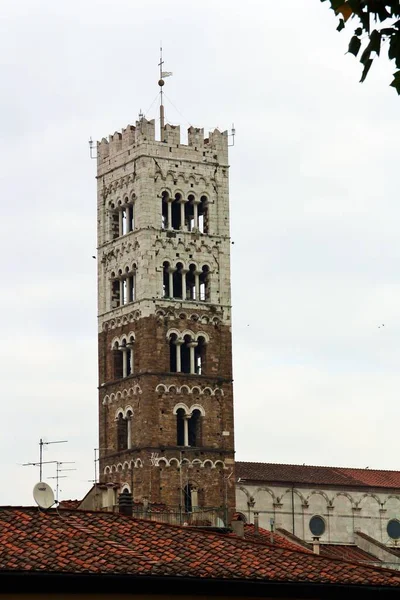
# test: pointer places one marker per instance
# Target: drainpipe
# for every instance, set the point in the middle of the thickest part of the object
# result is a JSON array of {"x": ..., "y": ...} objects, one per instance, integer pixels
[{"x": 293, "y": 508}]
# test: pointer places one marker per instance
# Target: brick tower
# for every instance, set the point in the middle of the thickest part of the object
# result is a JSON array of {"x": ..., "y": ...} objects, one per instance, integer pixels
[{"x": 165, "y": 352}]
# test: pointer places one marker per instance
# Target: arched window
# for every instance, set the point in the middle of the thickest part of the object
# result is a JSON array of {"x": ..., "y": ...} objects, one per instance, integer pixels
[
  {"x": 117, "y": 361},
  {"x": 203, "y": 214},
  {"x": 191, "y": 283},
  {"x": 177, "y": 212},
  {"x": 167, "y": 280},
  {"x": 200, "y": 355},
  {"x": 177, "y": 284},
  {"x": 122, "y": 432},
  {"x": 180, "y": 427},
  {"x": 204, "y": 284},
  {"x": 190, "y": 213},
  {"x": 189, "y": 428},
  {"x": 164, "y": 210},
  {"x": 194, "y": 427},
  {"x": 130, "y": 362},
  {"x": 185, "y": 354},
  {"x": 174, "y": 354}
]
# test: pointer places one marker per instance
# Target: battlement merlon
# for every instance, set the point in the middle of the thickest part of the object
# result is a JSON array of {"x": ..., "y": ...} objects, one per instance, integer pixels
[{"x": 215, "y": 147}]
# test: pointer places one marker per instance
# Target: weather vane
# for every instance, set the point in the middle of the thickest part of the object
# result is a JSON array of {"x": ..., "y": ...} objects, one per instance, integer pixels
[{"x": 163, "y": 75}]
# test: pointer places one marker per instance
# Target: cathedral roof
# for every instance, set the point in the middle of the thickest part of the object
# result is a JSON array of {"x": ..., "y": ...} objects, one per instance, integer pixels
[
  {"x": 314, "y": 475},
  {"x": 104, "y": 544}
]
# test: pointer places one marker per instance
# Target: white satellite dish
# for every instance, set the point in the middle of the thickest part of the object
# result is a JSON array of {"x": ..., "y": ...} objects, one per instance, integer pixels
[{"x": 43, "y": 495}]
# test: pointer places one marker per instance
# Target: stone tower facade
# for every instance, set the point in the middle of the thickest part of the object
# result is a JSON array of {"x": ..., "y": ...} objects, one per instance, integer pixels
[{"x": 164, "y": 315}]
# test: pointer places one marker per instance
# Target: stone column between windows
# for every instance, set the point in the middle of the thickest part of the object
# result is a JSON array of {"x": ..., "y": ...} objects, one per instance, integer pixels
[
  {"x": 121, "y": 222},
  {"x": 128, "y": 218},
  {"x": 197, "y": 284},
  {"x": 124, "y": 351},
  {"x": 128, "y": 289},
  {"x": 192, "y": 346},
  {"x": 131, "y": 356},
  {"x": 121, "y": 292},
  {"x": 169, "y": 207},
  {"x": 184, "y": 271},
  {"x": 196, "y": 213},
  {"x": 186, "y": 430},
  {"x": 171, "y": 271},
  {"x": 182, "y": 226},
  {"x": 178, "y": 344},
  {"x": 129, "y": 432}
]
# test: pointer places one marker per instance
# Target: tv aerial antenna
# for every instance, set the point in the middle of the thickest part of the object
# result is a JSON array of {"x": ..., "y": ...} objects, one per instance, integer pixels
[
  {"x": 41, "y": 461},
  {"x": 58, "y": 476}
]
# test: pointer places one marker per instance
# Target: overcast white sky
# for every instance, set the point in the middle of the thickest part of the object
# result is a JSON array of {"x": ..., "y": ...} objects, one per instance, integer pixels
[{"x": 314, "y": 216}]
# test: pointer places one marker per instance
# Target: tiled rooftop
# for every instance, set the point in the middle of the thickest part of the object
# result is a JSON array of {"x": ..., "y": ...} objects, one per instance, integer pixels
[
  {"x": 108, "y": 543},
  {"x": 313, "y": 475}
]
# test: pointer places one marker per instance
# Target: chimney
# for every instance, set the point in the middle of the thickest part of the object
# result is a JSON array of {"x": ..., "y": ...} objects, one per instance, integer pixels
[
  {"x": 238, "y": 527},
  {"x": 256, "y": 523},
  {"x": 315, "y": 545},
  {"x": 110, "y": 497},
  {"x": 125, "y": 502}
]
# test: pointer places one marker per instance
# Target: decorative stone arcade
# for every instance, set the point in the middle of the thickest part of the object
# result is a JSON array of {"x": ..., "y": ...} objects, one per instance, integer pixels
[{"x": 165, "y": 357}]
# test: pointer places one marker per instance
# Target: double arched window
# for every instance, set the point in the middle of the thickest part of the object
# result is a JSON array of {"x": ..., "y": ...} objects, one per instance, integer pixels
[
  {"x": 187, "y": 352},
  {"x": 189, "y": 425},
  {"x": 184, "y": 283},
  {"x": 122, "y": 216},
  {"x": 123, "y": 286},
  {"x": 124, "y": 429},
  {"x": 123, "y": 356},
  {"x": 184, "y": 213}
]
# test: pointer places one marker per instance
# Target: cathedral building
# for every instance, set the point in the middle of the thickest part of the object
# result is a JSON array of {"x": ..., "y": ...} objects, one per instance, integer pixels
[{"x": 164, "y": 317}]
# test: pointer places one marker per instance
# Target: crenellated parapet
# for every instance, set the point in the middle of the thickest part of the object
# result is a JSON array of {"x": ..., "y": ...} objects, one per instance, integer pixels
[{"x": 133, "y": 136}]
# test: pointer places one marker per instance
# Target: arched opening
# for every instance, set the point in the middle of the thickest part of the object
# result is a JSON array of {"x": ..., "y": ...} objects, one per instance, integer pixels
[
  {"x": 180, "y": 427},
  {"x": 177, "y": 279},
  {"x": 194, "y": 427},
  {"x": 187, "y": 498},
  {"x": 204, "y": 279},
  {"x": 167, "y": 291},
  {"x": 173, "y": 350},
  {"x": 203, "y": 214},
  {"x": 130, "y": 356},
  {"x": 115, "y": 292},
  {"x": 164, "y": 210},
  {"x": 176, "y": 211},
  {"x": 114, "y": 223},
  {"x": 191, "y": 283},
  {"x": 185, "y": 354},
  {"x": 189, "y": 213},
  {"x": 200, "y": 356},
  {"x": 122, "y": 432},
  {"x": 117, "y": 361}
]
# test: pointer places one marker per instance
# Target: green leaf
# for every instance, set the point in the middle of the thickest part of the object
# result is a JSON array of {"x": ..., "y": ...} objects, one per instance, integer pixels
[
  {"x": 396, "y": 82},
  {"x": 367, "y": 66},
  {"x": 355, "y": 45},
  {"x": 340, "y": 26}
]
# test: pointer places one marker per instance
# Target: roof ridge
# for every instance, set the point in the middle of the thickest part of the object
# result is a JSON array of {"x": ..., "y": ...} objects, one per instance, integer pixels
[{"x": 249, "y": 462}]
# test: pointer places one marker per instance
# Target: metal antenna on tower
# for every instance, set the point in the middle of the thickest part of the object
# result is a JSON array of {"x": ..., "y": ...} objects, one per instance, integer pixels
[
  {"x": 41, "y": 462},
  {"x": 58, "y": 476},
  {"x": 163, "y": 75}
]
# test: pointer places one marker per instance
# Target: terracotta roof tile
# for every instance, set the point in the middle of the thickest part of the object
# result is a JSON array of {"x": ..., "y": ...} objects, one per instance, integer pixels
[
  {"x": 314, "y": 475},
  {"x": 97, "y": 542}
]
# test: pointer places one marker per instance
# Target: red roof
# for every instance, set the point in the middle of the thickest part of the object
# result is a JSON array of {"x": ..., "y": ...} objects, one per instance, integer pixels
[
  {"x": 285, "y": 539},
  {"x": 85, "y": 542},
  {"x": 313, "y": 475}
]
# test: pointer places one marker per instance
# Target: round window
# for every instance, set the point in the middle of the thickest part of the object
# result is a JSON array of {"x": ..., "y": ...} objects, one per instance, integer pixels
[
  {"x": 393, "y": 529},
  {"x": 317, "y": 526}
]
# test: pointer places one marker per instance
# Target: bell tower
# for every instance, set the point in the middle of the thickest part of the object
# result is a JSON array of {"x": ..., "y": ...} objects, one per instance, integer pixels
[{"x": 164, "y": 317}]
